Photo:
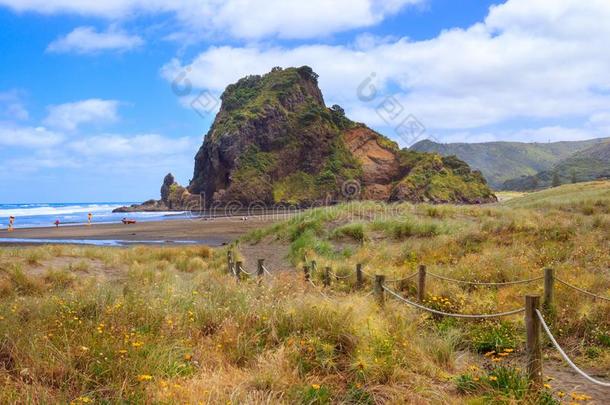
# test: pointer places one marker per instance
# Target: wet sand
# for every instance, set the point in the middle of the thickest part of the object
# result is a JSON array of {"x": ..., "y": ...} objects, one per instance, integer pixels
[{"x": 211, "y": 232}]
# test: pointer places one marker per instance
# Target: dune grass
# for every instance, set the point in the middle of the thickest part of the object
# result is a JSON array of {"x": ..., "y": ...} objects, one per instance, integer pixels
[{"x": 169, "y": 325}]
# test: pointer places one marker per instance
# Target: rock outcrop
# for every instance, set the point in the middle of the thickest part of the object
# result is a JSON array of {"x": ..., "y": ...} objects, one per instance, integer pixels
[
  {"x": 275, "y": 141},
  {"x": 174, "y": 197}
]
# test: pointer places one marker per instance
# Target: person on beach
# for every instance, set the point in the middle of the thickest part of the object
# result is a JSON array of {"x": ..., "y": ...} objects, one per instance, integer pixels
[
  {"x": 89, "y": 218},
  {"x": 11, "y": 223},
  {"x": 57, "y": 223}
]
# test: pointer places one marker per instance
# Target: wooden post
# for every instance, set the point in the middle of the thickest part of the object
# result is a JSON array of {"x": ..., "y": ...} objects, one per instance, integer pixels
[
  {"x": 421, "y": 286},
  {"x": 238, "y": 269},
  {"x": 314, "y": 266},
  {"x": 306, "y": 272},
  {"x": 359, "y": 279},
  {"x": 327, "y": 277},
  {"x": 379, "y": 291},
  {"x": 533, "y": 345},
  {"x": 260, "y": 269},
  {"x": 549, "y": 284},
  {"x": 229, "y": 261}
]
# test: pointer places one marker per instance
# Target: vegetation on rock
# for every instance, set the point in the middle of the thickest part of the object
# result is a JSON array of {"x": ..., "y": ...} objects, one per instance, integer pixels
[{"x": 275, "y": 141}]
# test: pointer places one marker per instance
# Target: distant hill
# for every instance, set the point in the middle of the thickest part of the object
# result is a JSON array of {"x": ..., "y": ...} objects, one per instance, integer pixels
[
  {"x": 590, "y": 164},
  {"x": 503, "y": 161},
  {"x": 582, "y": 195}
]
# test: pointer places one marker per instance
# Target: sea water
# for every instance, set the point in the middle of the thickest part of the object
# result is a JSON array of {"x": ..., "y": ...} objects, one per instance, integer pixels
[{"x": 37, "y": 215}]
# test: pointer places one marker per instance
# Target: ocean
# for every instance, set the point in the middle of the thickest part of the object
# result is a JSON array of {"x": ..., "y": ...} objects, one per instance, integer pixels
[{"x": 40, "y": 215}]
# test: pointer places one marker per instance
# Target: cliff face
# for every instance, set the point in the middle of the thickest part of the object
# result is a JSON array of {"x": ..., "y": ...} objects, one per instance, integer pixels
[{"x": 275, "y": 141}]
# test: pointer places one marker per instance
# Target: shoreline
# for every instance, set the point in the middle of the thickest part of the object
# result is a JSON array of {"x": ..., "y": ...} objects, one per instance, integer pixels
[{"x": 167, "y": 232}]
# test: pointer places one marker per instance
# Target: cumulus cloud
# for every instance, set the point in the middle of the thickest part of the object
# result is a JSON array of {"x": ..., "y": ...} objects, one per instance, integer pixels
[
  {"x": 11, "y": 106},
  {"x": 31, "y": 149},
  {"x": 69, "y": 116},
  {"x": 28, "y": 137},
  {"x": 109, "y": 145},
  {"x": 543, "y": 60},
  {"x": 87, "y": 40},
  {"x": 249, "y": 19}
]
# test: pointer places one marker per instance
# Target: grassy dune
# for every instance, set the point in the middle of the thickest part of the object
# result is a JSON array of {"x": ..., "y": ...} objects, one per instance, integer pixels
[{"x": 168, "y": 325}]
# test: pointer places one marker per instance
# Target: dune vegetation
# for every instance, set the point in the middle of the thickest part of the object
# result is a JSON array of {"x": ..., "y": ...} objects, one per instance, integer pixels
[{"x": 170, "y": 325}]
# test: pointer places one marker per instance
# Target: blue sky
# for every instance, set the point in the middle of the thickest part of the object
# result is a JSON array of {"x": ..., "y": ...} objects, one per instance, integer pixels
[{"x": 88, "y": 111}]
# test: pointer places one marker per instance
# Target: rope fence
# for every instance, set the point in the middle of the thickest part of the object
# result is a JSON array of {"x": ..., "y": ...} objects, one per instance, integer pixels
[
  {"x": 267, "y": 271},
  {"x": 590, "y": 294},
  {"x": 534, "y": 318},
  {"x": 489, "y": 284},
  {"x": 565, "y": 356},
  {"x": 452, "y": 315},
  {"x": 338, "y": 277},
  {"x": 400, "y": 280}
]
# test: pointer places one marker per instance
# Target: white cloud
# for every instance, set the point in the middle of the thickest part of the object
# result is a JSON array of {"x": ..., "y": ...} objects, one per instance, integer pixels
[
  {"x": 554, "y": 133},
  {"x": 131, "y": 146},
  {"x": 28, "y": 137},
  {"x": 35, "y": 149},
  {"x": 249, "y": 19},
  {"x": 301, "y": 19},
  {"x": 87, "y": 40},
  {"x": 70, "y": 115},
  {"x": 11, "y": 106},
  {"x": 542, "y": 60}
]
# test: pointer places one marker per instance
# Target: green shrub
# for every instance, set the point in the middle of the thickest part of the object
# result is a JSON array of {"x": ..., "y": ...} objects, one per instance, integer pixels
[
  {"x": 490, "y": 336},
  {"x": 354, "y": 231},
  {"x": 466, "y": 384}
]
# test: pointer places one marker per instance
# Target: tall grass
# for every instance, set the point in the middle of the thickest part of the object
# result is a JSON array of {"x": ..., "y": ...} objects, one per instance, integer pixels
[{"x": 168, "y": 325}]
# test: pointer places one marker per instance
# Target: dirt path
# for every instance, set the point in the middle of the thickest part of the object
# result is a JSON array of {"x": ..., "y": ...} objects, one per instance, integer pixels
[
  {"x": 568, "y": 381},
  {"x": 274, "y": 254}
]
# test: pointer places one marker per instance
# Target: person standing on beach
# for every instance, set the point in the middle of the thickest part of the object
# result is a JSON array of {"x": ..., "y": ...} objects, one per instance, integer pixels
[
  {"x": 57, "y": 223},
  {"x": 89, "y": 218},
  {"x": 11, "y": 223}
]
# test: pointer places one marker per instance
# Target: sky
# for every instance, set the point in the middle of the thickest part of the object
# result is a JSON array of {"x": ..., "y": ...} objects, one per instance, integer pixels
[{"x": 99, "y": 100}]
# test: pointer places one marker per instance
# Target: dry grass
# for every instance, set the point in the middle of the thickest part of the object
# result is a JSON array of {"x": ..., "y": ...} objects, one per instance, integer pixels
[{"x": 173, "y": 327}]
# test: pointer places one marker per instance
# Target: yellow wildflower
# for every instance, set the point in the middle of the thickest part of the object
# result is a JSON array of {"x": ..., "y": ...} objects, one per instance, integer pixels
[{"x": 144, "y": 377}]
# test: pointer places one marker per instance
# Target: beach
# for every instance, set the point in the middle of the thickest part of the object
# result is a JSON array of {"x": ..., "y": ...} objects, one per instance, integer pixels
[{"x": 209, "y": 232}]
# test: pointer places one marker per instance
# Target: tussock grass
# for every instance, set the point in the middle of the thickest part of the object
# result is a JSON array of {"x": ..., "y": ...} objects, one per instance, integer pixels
[{"x": 173, "y": 327}]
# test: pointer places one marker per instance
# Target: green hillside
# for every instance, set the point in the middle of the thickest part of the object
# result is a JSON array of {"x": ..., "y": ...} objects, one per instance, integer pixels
[
  {"x": 590, "y": 164},
  {"x": 503, "y": 161}
]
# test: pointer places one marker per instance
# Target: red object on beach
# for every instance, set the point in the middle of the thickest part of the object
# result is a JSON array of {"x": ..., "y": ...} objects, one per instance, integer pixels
[
  {"x": 127, "y": 221},
  {"x": 57, "y": 223}
]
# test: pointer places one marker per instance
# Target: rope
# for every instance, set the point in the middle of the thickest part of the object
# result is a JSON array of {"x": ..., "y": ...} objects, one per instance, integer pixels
[
  {"x": 267, "y": 271},
  {"x": 392, "y": 280},
  {"x": 367, "y": 274},
  {"x": 565, "y": 356},
  {"x": 249, "y": 274},
  {"x": 453, "y": 280},
  {"x": 398, "y": 280},
  {"x": 469, "y": 316},
  {"x": 338, "y": 277},
  {"x": 581, "y": 290},
  {"x": 318, "y": 290}
]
